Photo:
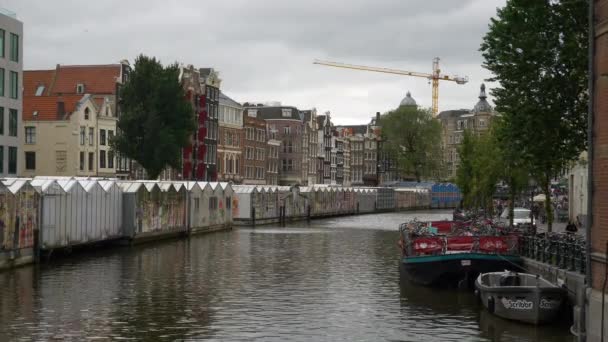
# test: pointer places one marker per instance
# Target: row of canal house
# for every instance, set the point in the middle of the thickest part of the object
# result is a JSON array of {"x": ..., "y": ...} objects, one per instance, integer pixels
[{"x": 47, "y": 213}]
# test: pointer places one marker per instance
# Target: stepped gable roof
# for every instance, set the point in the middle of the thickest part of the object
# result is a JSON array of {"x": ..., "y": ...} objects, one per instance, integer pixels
[{"x": 45, "y": 107}]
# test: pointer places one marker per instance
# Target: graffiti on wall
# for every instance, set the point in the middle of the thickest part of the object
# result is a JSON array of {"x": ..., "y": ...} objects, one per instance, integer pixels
[
  {"x": 160, "y": 211},
  {"x": 18, "y": 219}
]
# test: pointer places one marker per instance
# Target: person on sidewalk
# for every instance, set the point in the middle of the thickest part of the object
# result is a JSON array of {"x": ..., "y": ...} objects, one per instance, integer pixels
[{"x": 571, "y": 228}]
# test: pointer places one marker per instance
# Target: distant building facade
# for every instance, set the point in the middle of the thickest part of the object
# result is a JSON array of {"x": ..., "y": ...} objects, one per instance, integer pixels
[
  {"x": 455, "y": 122},
  {"x": 324, "y": 145},
  {"x": 229, "y": 152},
  {"x": 289, "y": 127},
  {"x": 200, "y": 158},
  {"x": 101, "y": 84},
  {"x": 309, "y": 147},
  {"x": 50, "y": 147},
  {"x": 255, "y": 145},
  {"x": 11, "y": 98}
]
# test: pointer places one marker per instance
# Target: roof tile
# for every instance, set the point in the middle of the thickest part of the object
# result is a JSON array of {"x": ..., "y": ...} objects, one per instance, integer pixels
[{"x": 46, "y": 106}]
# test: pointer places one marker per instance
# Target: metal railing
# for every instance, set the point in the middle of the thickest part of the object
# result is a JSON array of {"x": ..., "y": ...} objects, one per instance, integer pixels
[{"x": 565, "y": 251}]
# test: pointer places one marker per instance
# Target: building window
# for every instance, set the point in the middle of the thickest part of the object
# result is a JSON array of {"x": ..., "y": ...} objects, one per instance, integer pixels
[
  {"x": 2, "y": 45},
  {"x": 102, "y": 159},
  {"x": 91, "y": 160},
  {"x": 14, "y": 47},
  {"x": 81, "y": 163},
  {"x": 86, "y": 113},
  {"x": 14, "y": 85},
  {"x": 1, "y": 158},
  {"x": 110, "y": 136},
  {"x": 12, "y": 122},
  {"x": 30, "y": 135},
  {"x": 39, "y": 90},
  {"x": 80, "y": 89},
  {"x": 2, "y": 73},
  {"x": 110, "y": 160},
  {"x": 102, "y": 137},
  {"x": 91, "y": 136},
  {"x": 82, "y": 133},
  {"x": 1, "y": 121},
  {"x": 30, "y": 160},
  {"x": 12, "y": 160},
  {"x": 287, "y": 130}
]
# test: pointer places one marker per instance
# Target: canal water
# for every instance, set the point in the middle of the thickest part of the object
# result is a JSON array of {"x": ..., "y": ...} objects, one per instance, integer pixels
[{"x": 328, "y": 280}]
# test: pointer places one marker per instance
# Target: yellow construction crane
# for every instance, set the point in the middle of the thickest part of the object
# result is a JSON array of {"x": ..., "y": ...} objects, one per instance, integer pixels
[{"x": 434, "y": 77}]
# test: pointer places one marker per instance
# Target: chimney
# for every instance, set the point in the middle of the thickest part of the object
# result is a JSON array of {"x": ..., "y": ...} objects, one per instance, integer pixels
[
  {"x": 60, "y": 109},
  {"x": 377, "y": 118}
]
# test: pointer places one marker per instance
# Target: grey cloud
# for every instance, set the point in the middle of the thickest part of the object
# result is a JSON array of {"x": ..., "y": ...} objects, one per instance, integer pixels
[{"x": 264, "y": 49}]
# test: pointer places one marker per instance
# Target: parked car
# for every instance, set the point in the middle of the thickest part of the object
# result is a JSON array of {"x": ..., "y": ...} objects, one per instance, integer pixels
[{"x": 521, "y": 217}]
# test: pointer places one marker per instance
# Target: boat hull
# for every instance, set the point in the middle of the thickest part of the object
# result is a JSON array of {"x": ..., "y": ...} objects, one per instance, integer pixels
[
  {"x": 528, "y": 304},
  {"x": 450, "y": 269}
]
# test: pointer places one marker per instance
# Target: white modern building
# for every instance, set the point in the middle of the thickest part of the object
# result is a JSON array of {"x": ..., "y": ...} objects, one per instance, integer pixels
[{"x": 11, "y": 94}]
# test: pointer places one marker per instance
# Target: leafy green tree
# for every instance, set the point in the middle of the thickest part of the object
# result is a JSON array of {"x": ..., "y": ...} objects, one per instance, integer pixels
[
  {"x": 157, "y": 120},
  {"x": 537, "y": 52},
  {"x": 414, "y": 137}
]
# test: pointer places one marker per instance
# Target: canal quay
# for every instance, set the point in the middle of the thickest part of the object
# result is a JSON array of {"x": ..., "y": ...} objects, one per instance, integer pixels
[{"x": 332, "y": 279}]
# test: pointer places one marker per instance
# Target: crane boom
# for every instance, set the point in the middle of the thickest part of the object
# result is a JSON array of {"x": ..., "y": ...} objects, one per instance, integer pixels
[
  {"x": 435, "y": 77},
  {"x": 366, "y": 68}
]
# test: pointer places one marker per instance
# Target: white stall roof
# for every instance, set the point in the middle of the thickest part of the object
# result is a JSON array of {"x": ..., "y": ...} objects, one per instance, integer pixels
[
  {"x": 17, "y": 184},
  {"x": 244, "y": 189},
  {"x": 107, "y": 185},
  {"x": 46, "y": 185},
  {"x": 68, "y": 184},
  {"x": 133, "y": 186},
  {"x": 214, "y": 185},
  {"x": 89, "y": 185},
  {"x": 225, "y": 185}
]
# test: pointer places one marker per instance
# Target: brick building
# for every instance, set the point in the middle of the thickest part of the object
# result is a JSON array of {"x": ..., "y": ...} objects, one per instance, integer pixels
[
  {"x": 309, "y": 147},
  {"x": 287, "y": 122},
  {"x": 229, "y": 148},
  {"x": 324, "y": 146},
  {"x": 598, "y": 156},
  {"x": 255, "y": 147},
  {"x": 200, "y": 158}
]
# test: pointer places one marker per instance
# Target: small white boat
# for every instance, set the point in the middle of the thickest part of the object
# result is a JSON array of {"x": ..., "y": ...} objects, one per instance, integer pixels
[{"x": 520, "y": 296}]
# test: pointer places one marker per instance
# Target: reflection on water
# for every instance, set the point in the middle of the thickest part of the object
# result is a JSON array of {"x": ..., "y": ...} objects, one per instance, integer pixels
[{"x": 330, "y": 280}]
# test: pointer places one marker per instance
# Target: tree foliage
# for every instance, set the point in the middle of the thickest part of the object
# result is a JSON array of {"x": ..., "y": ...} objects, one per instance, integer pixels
[
  {"x": 479, "y": 171},
  {"x": 537, "y": 52},
  {"x": 414, "y": 137},
  {"x": 157, "y": 120}
]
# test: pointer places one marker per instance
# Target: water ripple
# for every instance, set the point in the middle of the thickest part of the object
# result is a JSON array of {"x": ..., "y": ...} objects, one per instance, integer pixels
[{"x": 330, "y": 280}]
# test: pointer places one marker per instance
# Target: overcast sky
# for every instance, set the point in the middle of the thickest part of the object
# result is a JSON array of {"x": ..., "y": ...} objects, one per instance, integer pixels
[{"x": 264, "y": 49}]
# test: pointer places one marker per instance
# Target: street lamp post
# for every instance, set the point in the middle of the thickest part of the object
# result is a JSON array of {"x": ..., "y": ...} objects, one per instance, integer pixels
[{"x": 532, "y": 184}]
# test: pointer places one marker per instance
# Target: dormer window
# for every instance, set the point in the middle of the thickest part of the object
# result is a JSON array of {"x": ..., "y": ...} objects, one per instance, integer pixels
[
  {"x": 40, "y": 90},
  {"x": 286, "y": 113},
  {"x": 86, "y": 113},
  {"x": 80, "y": 88}
]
